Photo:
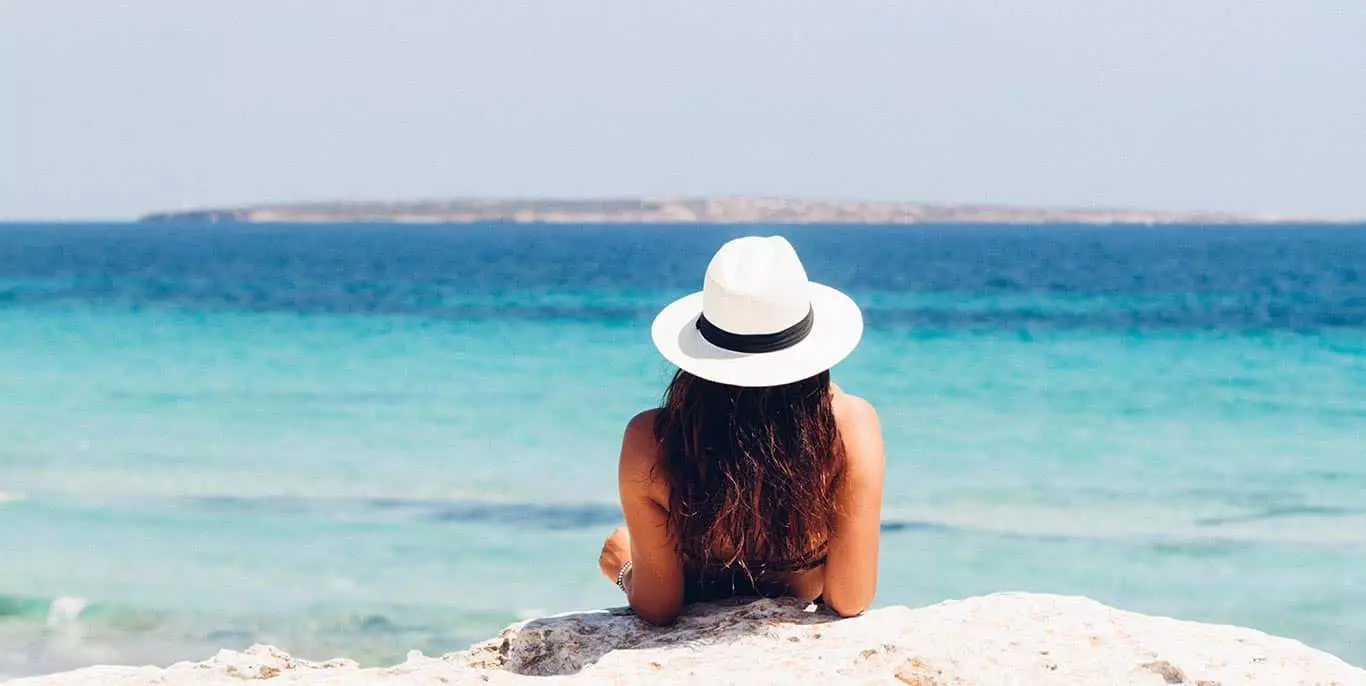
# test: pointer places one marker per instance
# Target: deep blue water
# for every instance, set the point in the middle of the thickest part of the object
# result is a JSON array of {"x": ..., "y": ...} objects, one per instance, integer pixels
[{"x": 1241, "y": 278}]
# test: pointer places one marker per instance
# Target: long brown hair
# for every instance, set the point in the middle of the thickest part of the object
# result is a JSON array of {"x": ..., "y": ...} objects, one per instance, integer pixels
[{"x": 752, "y": 472}]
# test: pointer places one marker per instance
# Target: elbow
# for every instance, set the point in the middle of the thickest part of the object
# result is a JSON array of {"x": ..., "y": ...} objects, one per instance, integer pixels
[
  {"x": 849, "y": 595},
  {"x": 657, "y": 611},
  {"x": 657, "y": 616},
  {"x": 846, "y": 609},
  {"x": 658, "y": 606},
  {"x": 847, "y": 604}
]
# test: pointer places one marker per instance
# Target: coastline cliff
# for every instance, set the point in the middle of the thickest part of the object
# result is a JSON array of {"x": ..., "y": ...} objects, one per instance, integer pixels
[{"x": 725, "y": 210}]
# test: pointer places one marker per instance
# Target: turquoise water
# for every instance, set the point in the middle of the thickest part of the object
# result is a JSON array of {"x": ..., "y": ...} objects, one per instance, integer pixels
[{"x": 361, "y": 440}]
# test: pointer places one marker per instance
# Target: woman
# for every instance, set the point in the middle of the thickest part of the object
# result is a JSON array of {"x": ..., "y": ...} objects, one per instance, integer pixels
[{"x": 757, "y": 476}]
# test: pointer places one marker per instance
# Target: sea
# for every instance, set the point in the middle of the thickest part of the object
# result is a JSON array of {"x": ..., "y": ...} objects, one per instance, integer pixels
[{"x": 359, "y": 440}]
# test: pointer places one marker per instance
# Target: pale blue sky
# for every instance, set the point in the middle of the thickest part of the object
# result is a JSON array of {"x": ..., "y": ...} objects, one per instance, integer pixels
[{"x": 112, "y": 109}]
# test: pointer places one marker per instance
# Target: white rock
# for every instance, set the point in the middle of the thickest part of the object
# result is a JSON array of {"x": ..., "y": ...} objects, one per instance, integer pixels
[{"x": 997, "y": 640}]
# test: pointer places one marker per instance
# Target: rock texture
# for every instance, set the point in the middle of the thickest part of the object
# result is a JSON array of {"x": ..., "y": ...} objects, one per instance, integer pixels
[{"x": 996, "y": 640}]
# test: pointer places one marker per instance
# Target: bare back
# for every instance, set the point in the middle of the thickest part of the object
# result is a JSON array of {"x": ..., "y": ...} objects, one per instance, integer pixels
[{"x": 846, "y": 579}]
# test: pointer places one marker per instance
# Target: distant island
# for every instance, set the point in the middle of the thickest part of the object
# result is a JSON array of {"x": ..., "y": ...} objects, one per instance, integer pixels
[{"x": 719, "y": 210}]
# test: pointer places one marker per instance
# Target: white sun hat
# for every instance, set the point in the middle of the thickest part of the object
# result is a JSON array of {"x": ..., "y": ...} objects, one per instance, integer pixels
[{"x": 758, "y": 320}]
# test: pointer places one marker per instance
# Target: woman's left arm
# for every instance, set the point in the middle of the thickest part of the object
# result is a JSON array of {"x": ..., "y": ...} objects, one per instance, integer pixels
[{"x": 851, "y": 565}]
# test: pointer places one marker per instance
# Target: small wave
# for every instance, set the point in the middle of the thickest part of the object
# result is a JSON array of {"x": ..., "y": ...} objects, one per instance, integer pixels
[
  {"x": 54, "y": 612},
  {"x": 894, "y": 526},
  {"x": 21, "y": 606},
  {"x": 10, "y": 497},
  {"x": 551, "y": 516},
  {"x": 528, "y": 515},
  {"x": 1201, "y": 548},
  {"x": 1041, "y": 526},
  {"x": 60, "y": 611},
  {"x": 65, "y": 611},
  {"x": 1170, "y": 532},
  {"x": 1281, "y": 513}
]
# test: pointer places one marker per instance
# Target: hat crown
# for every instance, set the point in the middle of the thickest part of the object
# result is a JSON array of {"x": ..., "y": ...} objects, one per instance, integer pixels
[{"x": 756, "y": 285}]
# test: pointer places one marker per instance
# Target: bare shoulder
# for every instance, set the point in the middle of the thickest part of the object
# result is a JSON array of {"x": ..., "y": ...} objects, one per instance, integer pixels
[
  {"x": 853, "y": 413},
  {"x": 641, "y": 428},
  {"x": 639, "y": 448},
  {"x": 860, "y": 430}
]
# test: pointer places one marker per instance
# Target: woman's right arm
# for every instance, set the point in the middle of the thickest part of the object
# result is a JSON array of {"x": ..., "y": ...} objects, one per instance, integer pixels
[
  {"x": 655, "y": 590},
  {"x": 851, "y": 565}
]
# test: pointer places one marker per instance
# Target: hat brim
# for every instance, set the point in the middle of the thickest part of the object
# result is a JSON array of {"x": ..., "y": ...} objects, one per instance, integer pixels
[{"x": 837, "y": 326}]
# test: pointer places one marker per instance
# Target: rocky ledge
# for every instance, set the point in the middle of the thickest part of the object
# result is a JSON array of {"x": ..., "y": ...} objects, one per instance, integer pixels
[{"x": 998, "y": 639}]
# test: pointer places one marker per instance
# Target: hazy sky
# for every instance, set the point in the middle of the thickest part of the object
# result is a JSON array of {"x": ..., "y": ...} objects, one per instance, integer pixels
[{"x": 112, "y": 109}]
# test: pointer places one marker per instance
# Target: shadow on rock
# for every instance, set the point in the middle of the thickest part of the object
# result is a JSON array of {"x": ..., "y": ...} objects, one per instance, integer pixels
[{"x": 565, "y": 644}]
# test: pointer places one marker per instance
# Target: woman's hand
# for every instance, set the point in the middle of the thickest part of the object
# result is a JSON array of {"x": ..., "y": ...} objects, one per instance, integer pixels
[{"x": 616, "y": 550}]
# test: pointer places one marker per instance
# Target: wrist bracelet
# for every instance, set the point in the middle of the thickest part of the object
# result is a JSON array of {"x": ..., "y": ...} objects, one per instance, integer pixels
[{"x": 621, "y": 575}]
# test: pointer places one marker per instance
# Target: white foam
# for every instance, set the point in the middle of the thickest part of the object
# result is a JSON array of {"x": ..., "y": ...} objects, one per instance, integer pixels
[
  {"x": 65, "y": 610},
  {"x": 7, "y": 497}
]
